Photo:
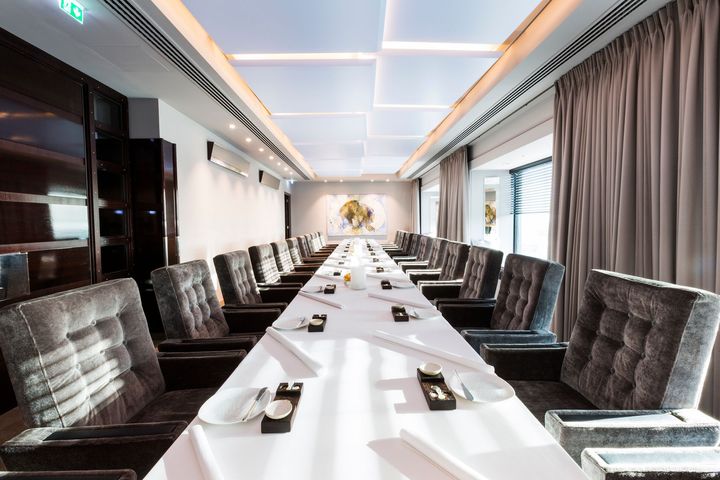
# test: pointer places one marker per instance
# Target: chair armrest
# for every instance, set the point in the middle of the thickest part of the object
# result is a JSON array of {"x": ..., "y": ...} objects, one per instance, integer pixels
[
  {"x": 305, "y": 268},
  {"x": 290, "y": 277},
  {"x": 576, "y": 430},
  {"x": 417, "y": 275},
  {"x": 311, "y": 260},
  {"x": 208, "y": 344},
  {"x": 433, "y": 290},
  {"x": 183, "y": 370},
  {"x": 525, "y": 362},
  {"x": 461, "y": 313},
  {"x": 71, "y": 475},
  {"x": 507, "y": 337},
  {"x": 284, "y": 294},
  {"x": 410, "y": 258},
  {"x": 250, "y": 320},
  {"x": 417, "y": 265},
  {"x": 135, "y": 446}
]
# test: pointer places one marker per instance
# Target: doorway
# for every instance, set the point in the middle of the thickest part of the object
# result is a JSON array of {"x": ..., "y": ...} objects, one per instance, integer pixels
[{"x": 287, "y": 215}]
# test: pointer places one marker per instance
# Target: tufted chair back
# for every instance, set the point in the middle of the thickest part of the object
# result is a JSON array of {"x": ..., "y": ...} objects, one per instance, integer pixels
[
  {"x": 82, "y": 357},
  {"x": 481, "y": 273},
  {"x": 323, "y": 243},
  {"x": 414, "y": 244},
  {"x": 456, "y": 256},
  {"x": 425, "y": 244},
  {"x": 188, "y": 305},
  {"x": 263, "y": 264},
  {"x": 528, "y": 291},
  {"x": 283, "y": 260},
  {"x": 303, "y": 246},
  {"x": 311, "y": 244},
  {"x": 437, "y": 254},
  {"x": 294, "y": 250},
  {"x": 641, "y": 344},
  {"x": 400, "y": 241},
  {"x": 236, "y": 278}
]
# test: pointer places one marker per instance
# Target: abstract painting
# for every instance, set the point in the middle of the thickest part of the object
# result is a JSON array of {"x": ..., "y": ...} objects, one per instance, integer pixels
[{"x": 356, "y": 215}]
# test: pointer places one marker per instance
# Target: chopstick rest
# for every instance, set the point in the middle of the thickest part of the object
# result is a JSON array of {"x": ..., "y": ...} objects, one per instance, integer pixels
[
  {"x": 288, "y": 392},
  {"x": 385, "y": 285},
  {"x": 399, "y": 313},
  {"x": 321, "y": 326},
  {"x": 438, "y": 395}
]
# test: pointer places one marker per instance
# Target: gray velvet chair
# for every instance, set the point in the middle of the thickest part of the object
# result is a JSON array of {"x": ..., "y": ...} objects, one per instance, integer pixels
[
  {"x": 296, "y": 254},
  {"x": 266, "y": 270},
  {"x": 479, "y": 281},
  {"x": 434, "y": 261},
  {"x": 690, "y": 463},
  {"x": 409, "y": 248},
  {"x": 316, "y": 244},
  {"x": 522, "y": 311},
  {"x": 637, "y": 344},
  {"x": 307, "y": 250},
  {"x": 397, "y": 242},
  {"x": 91, "y": 386},
  {"x": 404, "y": 246},
  {"x": 193, "y": 318},
  {"x": 451, "y": 268},
  {"x": 424, "y": 248},
  {"x": 240, "y": 290},
  {"x": 284, "y": 260}
]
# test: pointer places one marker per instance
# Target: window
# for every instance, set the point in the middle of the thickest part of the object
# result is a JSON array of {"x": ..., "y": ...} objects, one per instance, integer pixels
[
  {"x": 530, "y": 189},
  {"x": 429, "y": 208}
]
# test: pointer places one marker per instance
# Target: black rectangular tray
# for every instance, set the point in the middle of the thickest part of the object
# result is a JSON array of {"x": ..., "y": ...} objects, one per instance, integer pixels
[
  {"x": 283, "y": 425},
  {"x": 318, "y": 328},
  {"x": 426, "y": 384}
]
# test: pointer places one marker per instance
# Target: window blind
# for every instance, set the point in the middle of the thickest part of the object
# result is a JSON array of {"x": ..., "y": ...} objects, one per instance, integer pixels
[{"x": 530, "y": 188}]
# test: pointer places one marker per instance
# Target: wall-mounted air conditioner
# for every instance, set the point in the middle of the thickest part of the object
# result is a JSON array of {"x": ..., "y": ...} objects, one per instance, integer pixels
[
  {"x": 227, "y": 159},
  {"x": 269, "y": 181}
]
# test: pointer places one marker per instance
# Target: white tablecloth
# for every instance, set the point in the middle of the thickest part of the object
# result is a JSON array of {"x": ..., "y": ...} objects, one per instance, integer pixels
[{"x": 348, "y": 421}]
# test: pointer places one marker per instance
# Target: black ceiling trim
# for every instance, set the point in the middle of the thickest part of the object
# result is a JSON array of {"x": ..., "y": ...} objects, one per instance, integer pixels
[
  {"x": 135, "y": 19},
  {"x": 600, "y": 27}
]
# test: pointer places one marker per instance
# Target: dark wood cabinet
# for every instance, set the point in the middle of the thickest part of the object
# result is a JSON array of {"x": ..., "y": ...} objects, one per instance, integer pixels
[{"x": 154, "y": 207}]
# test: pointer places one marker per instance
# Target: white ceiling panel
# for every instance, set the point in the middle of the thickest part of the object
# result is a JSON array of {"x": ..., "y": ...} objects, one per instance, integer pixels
[
  {"x": 427, "y": 80},
  {"x": 404, "y": 122},
  {"x": 382, "y": 164},
  {"x": 330, "y": 129},
  {"x": 401, "y": 147},
  {"x": 331, "y": 150},
  {"x": 312, "y": 88},
  {"x": 291, "y": 25},
  {"x": 455, "y": 21}
]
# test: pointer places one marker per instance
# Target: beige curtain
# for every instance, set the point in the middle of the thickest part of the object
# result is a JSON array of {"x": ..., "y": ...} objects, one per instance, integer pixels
[
  {"x": 453, "y": 208},
  {"x": 635, "y": 185},
  {"x": 415, "y": 206}
]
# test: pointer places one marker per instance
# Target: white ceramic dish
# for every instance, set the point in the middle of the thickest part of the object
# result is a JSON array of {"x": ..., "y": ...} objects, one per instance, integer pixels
[
  {"x": 430, "y": 368},
  {"x": 316, "y": 321},
  {"x": 313, "y": 288},
  {"x": 278, "y": 409},
  {"x": 402, "y": 284},
  {"x": 484, "y": 387},
  {"x": 422, "y": 313},
  {"x": 230, "y": 406},
  {"x": 290, "y": 323}
]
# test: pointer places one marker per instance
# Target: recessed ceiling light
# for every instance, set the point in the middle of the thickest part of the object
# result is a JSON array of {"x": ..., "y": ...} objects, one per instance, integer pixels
[
  {"x": 286, "y": 169},
  {"x": 372, "y": 180},
  {"x": 325, "y": 180},
  {"x": 387, "y": 179},
  {"x": 272, "y": 158},
  {"x": 232, "y": 126},
  {"x": 409, "y": 106},
  {"x": 292, "y": 173},
  {"x": 248, "y": 139},
  {"x": 341, "y": 180},
  {"x": 317, "y": 114},
  {"x": 279, "y": 163},
  {"x": 300, "y": 57},
  {"x": 261, "y": 149},
  {"x": 489, "y": 49}
]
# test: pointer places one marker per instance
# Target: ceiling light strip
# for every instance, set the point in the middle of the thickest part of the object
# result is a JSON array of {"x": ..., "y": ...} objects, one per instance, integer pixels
[
  {"x": 154, "y": 37},
  {"x": 609, "y": 20}
]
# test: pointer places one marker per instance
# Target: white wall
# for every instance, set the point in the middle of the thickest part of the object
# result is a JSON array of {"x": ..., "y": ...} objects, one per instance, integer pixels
[
  {"x": 309, "y": 204},
  {"x": 218, "y": 210}
]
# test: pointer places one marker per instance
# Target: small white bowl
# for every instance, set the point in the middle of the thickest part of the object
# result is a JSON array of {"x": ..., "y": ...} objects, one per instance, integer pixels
[
  {"x": 278, "y": 409},
  {"x": 316, "y": 321},
  {"x": 430, "y": 368}
]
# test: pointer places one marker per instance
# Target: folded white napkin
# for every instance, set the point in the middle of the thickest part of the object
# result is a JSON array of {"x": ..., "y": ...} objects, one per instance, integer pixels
[
  {"x": 400, "y": 299},
  {"x": 321, "y": 297},
  {"x": 328, "y": 263},
  {"x": 313, "y": 364},
  {"x": 440, "y": 457},
  {"x": 388, "y": 275},
  {"x": 453, "y": 357},
  {"x": 336, "y": 278},
  {"x": 204, "y": 454}
]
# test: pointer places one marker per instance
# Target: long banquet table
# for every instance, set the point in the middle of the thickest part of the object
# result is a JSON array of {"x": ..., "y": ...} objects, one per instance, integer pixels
[{"x": 349, "y": 417}]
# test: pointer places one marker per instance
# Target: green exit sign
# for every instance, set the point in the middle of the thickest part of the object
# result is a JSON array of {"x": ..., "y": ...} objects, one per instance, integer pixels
[{"x": 74, "y": 9}]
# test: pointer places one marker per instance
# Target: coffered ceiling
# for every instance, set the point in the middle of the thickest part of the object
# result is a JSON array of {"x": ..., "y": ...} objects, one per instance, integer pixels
[{"x": 358, "y": 85}]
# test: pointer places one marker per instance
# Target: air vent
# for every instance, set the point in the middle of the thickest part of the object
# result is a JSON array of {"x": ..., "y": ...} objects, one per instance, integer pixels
[
  {"x": 269, "y": 181},
  {"x": 135, "y": 19},
  {"x": 599, "y": 28},
  {"x": 227, "y": 159}
]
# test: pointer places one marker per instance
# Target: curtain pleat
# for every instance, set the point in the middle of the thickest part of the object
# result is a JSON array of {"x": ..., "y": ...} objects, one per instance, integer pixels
[
  {"x": 453, "y": 207},
  {"x": 415, "y": 206},
  {"x": 636, "y": 153}
]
